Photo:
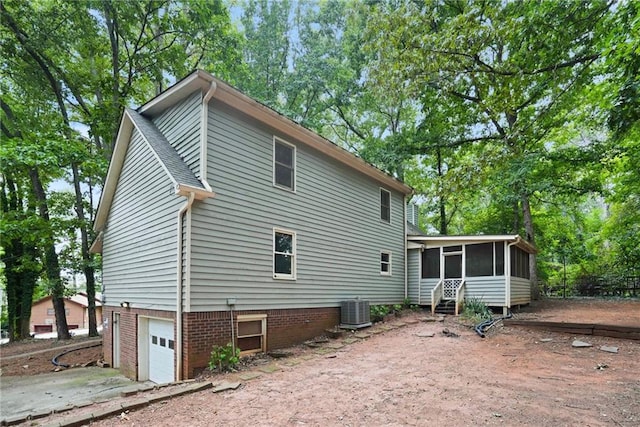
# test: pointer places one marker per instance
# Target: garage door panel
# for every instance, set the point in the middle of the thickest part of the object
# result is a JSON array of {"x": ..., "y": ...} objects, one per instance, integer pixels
[{"x": 161, "y": 351}]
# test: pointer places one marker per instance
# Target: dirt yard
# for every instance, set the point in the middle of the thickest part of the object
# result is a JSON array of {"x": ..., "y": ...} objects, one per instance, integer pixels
[
  {"x": 405, "y": 377},
  {"x": 33, "y": 357}
]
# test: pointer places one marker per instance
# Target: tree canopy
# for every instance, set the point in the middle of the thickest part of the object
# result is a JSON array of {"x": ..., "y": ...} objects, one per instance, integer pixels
[{"x": 505, "y": 117}]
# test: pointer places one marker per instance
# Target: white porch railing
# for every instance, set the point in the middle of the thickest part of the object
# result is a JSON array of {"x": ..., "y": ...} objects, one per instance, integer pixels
[
  {"x": 460, "y": 296},
  {"x": 437, "y": 294},
  {"x": 448, "y": 290}
]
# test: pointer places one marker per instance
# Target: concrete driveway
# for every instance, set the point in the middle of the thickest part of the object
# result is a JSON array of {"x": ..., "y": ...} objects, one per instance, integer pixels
[{"x": 37, "y": 394}]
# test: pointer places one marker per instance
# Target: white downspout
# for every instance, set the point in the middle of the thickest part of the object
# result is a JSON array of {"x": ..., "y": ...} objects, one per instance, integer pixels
[
  {"x": 507, "y": 279},
  {"x": 406, "y": 252},
  {"x": 204, "y": 119},
  {"x": 185, "y": 208}
]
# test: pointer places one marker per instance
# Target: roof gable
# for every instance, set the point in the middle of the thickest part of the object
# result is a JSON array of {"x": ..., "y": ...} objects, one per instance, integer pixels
[
  {"x": 176, "y": 169},
  {"x": 232, "y": 97}
]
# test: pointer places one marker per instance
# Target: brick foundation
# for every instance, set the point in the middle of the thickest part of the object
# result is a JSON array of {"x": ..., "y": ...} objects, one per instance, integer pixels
[{"x": 203, "y": 330}]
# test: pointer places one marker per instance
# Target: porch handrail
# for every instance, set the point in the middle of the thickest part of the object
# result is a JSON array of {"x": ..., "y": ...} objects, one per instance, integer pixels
[
  {"x": 460, "y": 296},
  {"x": 436, "y": 296}
]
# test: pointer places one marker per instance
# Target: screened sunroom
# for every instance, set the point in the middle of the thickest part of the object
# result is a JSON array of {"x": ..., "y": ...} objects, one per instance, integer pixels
[{"x": 448, "y": 269}]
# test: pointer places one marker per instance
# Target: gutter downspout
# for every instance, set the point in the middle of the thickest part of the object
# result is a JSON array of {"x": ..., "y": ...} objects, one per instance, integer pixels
[
  {"x": 507, "y": 279},
  {"x": 204, "y": 119},
  {"x": 184, "y": 209},
  {"x": 406, "y": 252}
]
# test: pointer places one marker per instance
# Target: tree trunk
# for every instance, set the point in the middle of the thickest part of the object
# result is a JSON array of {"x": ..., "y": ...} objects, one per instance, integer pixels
[
  {"x": 19, "y": 258},
  {"x": 52, "y": 266},
  {"x": 87, "y": 258},
  {"x": 441, "y": 199},
  {"x": 528, "y": 226}
]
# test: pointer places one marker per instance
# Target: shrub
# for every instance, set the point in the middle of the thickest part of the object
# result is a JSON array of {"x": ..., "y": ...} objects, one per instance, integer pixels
[
  {"x": 476, "y": 310},
  {"x": 377, "y": 312},
  {"x": 224, "y": 358}
]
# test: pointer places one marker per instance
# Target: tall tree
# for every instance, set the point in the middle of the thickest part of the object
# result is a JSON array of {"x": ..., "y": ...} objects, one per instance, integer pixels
[
  {"x": 507, "y": 72},
  {"x": 99, "y": 57}
]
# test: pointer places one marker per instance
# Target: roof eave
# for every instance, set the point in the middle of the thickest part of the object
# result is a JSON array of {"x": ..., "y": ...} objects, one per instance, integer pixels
[
  {"x": 228, "y": 95},
  {"x": 199, "y": 193}
]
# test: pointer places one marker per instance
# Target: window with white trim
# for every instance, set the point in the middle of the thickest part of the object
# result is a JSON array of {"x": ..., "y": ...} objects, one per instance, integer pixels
[
  {"x": 284, "y": 254},
  {"x": 385, "y": 205},
  {"x": 385, "y": 263},
  {"x": 284, "y": 164}
]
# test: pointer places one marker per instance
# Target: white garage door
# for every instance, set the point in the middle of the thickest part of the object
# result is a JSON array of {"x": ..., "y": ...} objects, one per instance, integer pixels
[{"x": 161, "y": 351}]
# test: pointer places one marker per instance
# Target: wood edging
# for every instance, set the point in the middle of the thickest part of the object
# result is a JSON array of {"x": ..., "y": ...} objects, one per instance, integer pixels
[{"x": 614, "y": 331}]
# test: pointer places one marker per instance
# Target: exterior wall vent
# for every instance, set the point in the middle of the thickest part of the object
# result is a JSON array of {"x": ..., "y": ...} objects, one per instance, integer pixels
[
  {"x": 412, "y": 213},
  {"x": 354, "y": 314}
]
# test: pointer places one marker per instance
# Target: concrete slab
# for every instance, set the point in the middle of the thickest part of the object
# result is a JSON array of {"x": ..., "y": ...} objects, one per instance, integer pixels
[
  {"x": 22, "y": 396},
  {"x": 226, "y": 385},
  {"x": 246, "y": 376},
  {"x": 609, "y": 349}
]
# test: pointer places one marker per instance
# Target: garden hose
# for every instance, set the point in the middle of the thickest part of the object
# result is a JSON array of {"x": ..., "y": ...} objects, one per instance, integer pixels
[{"x": 482, "y": 327}]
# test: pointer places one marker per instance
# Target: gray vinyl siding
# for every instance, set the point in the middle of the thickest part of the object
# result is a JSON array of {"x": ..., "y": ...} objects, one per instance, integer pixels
[
  {"x": 335, "y": 213},
  {"x": 139, "y": 246},
  {"x": 490, "y": 289},
  {"x": 520, "y": 291},
  {"x": 413, "y": 274},
  {"x": 180, "y": 124},
  {"x": 426, "y": 286}
]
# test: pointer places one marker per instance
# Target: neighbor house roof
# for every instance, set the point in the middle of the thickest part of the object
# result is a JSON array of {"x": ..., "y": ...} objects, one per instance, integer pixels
[
  {"x": 434, "y": 241},
  {"x": 79, "y": 298}
]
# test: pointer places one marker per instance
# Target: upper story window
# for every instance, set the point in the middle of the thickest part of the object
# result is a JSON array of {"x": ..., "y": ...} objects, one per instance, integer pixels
[
  {"x": 284, "y": 164},
  {"x": 284, "y": 254},
  {"x": 385, "y": 205}
]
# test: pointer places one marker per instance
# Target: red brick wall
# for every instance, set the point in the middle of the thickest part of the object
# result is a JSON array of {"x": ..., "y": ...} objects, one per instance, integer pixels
[
  {"x": 128, "y": 336},
  {"x": 284, "y": 328},
  {"x": 203, "y": 330}
]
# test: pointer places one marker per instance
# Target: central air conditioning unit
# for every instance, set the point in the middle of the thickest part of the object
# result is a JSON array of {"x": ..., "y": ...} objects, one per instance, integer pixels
[{"x": 354, "y": 314}]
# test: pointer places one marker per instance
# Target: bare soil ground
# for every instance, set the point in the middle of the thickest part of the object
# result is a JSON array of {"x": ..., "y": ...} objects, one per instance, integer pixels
[
  {"x": 514, "y": 376},
  {"x": 33, "y": 356}
]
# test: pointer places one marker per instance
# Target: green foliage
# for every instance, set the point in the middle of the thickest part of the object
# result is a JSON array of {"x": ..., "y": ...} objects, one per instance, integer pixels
[
  {"x": 476, "y": 310},
  {"x": 378, "y": 312},
  {"x": 224, "y": 358}
]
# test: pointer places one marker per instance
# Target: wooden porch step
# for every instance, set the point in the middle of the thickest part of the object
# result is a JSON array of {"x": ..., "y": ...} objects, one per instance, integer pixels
[{"x": 446, "y": 307}]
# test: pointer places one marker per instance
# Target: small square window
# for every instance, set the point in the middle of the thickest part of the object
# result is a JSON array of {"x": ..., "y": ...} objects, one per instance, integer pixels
[
  {"x": 163, "y": 342},
  {"x": 284, "y": 254},
  {"x": 385, "y": 205},
  {"x": 284, "y": 165},
  {"x": 154, "y": 339},
  {"x": 172, "y": 344},
  {"x": 385, "y": 263}
]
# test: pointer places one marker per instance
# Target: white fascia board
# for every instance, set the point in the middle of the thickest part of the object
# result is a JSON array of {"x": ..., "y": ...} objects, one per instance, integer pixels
[
  {"x": 115, "y": 167},
  {"x": 413, "y": 245},
  {"x": 194, "y": 81},
  {"x": 199, "y": 193},
  {"x": 433, "y": 241}
]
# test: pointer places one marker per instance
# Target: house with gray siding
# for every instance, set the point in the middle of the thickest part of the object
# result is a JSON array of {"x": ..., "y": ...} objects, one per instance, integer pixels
[{"x": 223, "y": 221}]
